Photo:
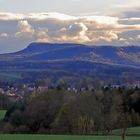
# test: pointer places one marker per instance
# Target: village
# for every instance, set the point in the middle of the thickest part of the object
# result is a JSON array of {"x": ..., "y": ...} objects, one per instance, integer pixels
[{"x": 16, "y": 92}]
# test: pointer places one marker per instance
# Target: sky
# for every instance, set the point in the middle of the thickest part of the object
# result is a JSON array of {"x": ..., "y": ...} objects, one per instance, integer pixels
[{"x": 93, "y": 22}]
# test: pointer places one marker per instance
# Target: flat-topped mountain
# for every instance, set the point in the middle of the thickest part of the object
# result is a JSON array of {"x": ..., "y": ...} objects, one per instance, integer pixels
[
  {"x": 73, "y": 62},
  {"x": 127, "y": 55}
]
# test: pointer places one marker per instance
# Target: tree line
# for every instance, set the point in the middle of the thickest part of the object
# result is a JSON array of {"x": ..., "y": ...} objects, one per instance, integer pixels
[{"x": 58, "y": 111}]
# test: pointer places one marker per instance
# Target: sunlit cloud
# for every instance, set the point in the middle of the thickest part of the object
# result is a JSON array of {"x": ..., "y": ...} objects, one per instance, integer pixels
[
  {"x": 3, "y": 35},
  {"x": 138, "y": 37},
  {"x": 56, "y": 27},
  {"x": 25, "y": 29},
  {"x": 10, "y": 16}
]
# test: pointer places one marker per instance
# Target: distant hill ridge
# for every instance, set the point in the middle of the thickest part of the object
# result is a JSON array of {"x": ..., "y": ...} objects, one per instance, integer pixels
[
  {"x": 45, "y": 47},
  {"x": 74, "y": 61},
  {"x": 126, "y": 55}
]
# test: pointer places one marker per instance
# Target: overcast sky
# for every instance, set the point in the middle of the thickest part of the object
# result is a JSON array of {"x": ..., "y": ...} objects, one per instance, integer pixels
[
  {"x": 96, "y": 22},
  {"x": 72, "y": 7}
]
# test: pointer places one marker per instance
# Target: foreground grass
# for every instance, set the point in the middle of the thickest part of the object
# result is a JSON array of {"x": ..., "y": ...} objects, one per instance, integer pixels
[
  {"x": 2, "y": 114},
  {"x": 56, "y": 137},
  {"x": 129, "y": 131}
]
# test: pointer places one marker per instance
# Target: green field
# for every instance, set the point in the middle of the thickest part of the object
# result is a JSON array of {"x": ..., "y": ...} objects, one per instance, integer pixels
[
  {"x": 53, "y": 137},
  {"x": 129, "y": 131},
  {"x": 2, "y": 114}
]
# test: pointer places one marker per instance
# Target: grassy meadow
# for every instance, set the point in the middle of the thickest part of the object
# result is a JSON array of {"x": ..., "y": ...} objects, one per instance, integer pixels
[
  {"x": 56, "y": 137},
  {"x": 2, "y": 114},
  {"x": 130, "y": 131}
]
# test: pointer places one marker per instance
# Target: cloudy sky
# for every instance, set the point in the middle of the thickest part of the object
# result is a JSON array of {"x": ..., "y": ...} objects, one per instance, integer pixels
[{"x": 94, "y": 22}]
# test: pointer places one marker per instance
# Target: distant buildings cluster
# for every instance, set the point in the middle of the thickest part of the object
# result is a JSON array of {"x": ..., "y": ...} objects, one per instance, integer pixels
[
  {"x": 17, "y": 92},
  {"x": 128, "y": 85}
]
